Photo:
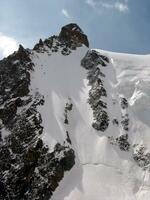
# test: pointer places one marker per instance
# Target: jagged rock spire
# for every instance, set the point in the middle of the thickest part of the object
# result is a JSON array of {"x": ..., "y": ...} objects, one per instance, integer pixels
[{"x": 73, "y": 31}]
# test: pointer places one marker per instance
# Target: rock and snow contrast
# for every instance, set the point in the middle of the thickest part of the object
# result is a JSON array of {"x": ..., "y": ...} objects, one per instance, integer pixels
[{"x": 74, "y": 122}]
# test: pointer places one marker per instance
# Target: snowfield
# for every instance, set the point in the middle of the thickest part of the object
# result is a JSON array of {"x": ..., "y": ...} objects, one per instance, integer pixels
[{"x": 102, "y": 171}]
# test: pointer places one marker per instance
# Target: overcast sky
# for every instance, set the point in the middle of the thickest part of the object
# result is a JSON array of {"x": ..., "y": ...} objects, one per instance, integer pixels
[{"x": 114, "y": 25}]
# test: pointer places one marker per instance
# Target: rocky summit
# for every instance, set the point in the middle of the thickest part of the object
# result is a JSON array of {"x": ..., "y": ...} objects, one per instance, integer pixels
[{"x": 74, "y": 122}]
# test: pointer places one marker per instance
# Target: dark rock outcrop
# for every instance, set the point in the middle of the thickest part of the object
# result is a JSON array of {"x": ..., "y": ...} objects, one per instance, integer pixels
[
  {"x": 123, "y": 143},
  {"x": 94, "y": 58},
  {"x": 68, "y": 108},
  {"x": 124, "y": 103},
  {"x": 72, "y": 32},
  {"x": 92, "y": 62},
  {"x": 125, "y": 122},
  {"x": 141, "y": 156}
]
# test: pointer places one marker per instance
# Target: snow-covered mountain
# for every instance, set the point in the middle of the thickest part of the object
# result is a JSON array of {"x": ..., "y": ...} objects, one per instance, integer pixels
[{"x": 74, "y": 122}]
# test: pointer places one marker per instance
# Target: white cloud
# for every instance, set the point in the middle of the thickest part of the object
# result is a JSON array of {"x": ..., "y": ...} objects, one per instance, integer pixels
[
  {"x": 91, "y": 3},
  {"x": 65, "y": 13},
  {"x": 107, "y": 5},
  {"x": 116, "y": 5},
  {"x": 122, "y": 7},
  {"x": 7, "y": 45}
]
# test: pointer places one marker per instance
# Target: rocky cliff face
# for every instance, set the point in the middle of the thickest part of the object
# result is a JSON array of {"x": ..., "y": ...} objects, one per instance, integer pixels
[
  {"x": 28, "y": 169},
  {"x": 63, "y": 108}
]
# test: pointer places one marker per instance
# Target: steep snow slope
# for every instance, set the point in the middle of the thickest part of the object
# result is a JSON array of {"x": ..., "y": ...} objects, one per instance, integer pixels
[
  {"x": 102, "y": 170},
  {"x": 132, "y": 72}
]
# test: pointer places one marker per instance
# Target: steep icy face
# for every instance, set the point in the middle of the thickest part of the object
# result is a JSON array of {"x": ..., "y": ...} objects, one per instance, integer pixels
[
  {"x": 113, "y": 159},
  {"x": 75, "y": 110},
  {"x": 132, "y": 72},
  {"x": 100, "y": 136}
]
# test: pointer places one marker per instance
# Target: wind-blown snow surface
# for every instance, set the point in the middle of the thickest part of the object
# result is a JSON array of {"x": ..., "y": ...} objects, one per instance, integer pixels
[{"x": 102, "y": 171}]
